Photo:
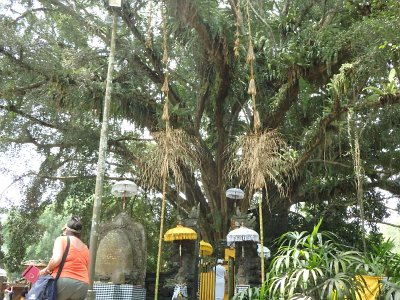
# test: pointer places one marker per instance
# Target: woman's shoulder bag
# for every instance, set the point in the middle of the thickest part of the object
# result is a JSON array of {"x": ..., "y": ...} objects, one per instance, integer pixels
[{"x": 45, "y": 288}]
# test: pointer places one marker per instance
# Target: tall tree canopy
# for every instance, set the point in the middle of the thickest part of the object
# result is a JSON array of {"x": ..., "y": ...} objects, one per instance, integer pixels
[{"x": 326, "y": 78}]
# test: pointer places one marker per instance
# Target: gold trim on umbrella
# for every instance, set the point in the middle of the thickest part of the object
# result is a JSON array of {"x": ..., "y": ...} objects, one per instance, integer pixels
[{"x": 180, "y": 233}]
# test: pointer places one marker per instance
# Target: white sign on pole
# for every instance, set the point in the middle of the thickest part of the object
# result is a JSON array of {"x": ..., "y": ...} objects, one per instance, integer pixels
[{"x": 116, "y": 3}]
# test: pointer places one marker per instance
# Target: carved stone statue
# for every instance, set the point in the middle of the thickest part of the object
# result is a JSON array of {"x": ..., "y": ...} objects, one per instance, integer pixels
[
  {"x": 239, "y": 218},
  {"x": 195, "y": 212},
  {"x": 121, "y": 254}
]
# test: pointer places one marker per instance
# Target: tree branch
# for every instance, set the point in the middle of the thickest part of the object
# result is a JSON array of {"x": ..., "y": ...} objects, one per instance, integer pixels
[
  {"x": 14, "y": 109},
  {"x": 317, "y": 139},
  {"x": 383, "y": 222},
  {"x": 21, "y": 90}
]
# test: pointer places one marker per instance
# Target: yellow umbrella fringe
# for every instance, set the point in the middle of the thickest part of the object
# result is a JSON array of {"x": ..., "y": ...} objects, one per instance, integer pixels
[
  {"x": 180, "y": 233},
  {"x": 205, "y": 248},
  {"x": 180, "y": 237}
]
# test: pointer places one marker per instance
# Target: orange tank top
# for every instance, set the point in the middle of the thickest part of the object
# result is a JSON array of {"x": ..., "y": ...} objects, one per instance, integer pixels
[{"x": 76, "y": 265}]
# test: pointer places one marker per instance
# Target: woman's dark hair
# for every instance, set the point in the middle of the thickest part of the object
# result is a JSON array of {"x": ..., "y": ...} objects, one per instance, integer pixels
[{"x": 74, "y": 226}]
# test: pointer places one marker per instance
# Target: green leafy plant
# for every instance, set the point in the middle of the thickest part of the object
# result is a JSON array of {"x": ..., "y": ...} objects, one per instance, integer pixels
[
  {"x": 317, "y": 265},
  {"x": 382, "y": 261},
  {"x": 389, "y": 88},
  {"x": 314, "y": 265}
]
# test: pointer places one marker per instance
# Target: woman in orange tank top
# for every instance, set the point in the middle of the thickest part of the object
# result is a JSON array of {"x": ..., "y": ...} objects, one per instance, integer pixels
[{"x": 74, "y": 278}]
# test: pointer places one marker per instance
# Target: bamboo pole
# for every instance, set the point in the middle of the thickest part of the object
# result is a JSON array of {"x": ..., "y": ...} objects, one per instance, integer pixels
[
  {"x": 260, "y": 208},
  {"x": 91, "y": 295},
  {"x": 161, "y": 235}
]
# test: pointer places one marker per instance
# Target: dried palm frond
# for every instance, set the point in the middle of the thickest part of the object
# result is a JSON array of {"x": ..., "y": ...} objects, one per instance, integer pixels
[
  {"x": 175, "y": 149},
  {"x": 257, "y": 121},
  {"x": 165, "y": 114},
  {"x": 236, "y": 48},
  {"x": 263, "y": 158},
  {"x": 165, "y": 87},
  {"x": 165, "y": 56},
  {"x": 250, "y": 53},
  {"x": 252, "y": 87}
]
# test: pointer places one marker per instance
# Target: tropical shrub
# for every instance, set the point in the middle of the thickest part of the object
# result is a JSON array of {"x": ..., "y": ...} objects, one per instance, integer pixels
[
  {"x": 314, "y": 265},
  {"x": 383, "y": 261},
  {"x": 318, "y": 266}
]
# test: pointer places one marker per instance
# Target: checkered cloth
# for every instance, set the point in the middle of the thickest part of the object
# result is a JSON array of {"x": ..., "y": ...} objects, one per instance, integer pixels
[{"x": 107, "y": 291}]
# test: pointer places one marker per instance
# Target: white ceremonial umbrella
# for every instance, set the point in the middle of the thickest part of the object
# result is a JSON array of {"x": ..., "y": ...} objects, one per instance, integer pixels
[
  {"x": 234, "y": 193},
  {"x": 123, "y": 189},
  {"x": 242, "y": 234},
  {"x": 267, "y": 252}
]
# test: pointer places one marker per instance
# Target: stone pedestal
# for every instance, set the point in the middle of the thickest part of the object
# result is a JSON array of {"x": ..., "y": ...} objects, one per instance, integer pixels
[{"x": 247, "y": 264}]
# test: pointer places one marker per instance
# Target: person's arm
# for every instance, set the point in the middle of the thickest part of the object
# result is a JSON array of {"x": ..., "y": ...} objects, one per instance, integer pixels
[{"x": 58, "y": 251}]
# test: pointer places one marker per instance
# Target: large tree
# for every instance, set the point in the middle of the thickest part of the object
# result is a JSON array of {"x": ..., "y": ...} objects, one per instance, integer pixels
[{"x": 321, "y": 71}]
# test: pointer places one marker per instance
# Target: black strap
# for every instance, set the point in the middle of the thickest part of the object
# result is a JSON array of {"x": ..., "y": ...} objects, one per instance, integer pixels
[{"x": 61, "y": 265}]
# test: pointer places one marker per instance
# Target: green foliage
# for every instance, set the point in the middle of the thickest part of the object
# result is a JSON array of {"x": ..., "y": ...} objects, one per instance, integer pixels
[
  {"x": 317, "y": 266},
  {"x": 313, "y": 265},
  {"x": 49, "y": 226},
  {"x": 19, "y": 230},
  {"x": 27, "y": 239},
  {"x": 53, "y": 61},
  {"x": 381, "y": 260},
  {"x": 393, "y": 234},
  {"x": 391, "y": 87}
]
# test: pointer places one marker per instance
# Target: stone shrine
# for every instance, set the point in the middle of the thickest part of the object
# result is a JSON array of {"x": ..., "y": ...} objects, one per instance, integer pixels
[{"x": 121, "y": 254}]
